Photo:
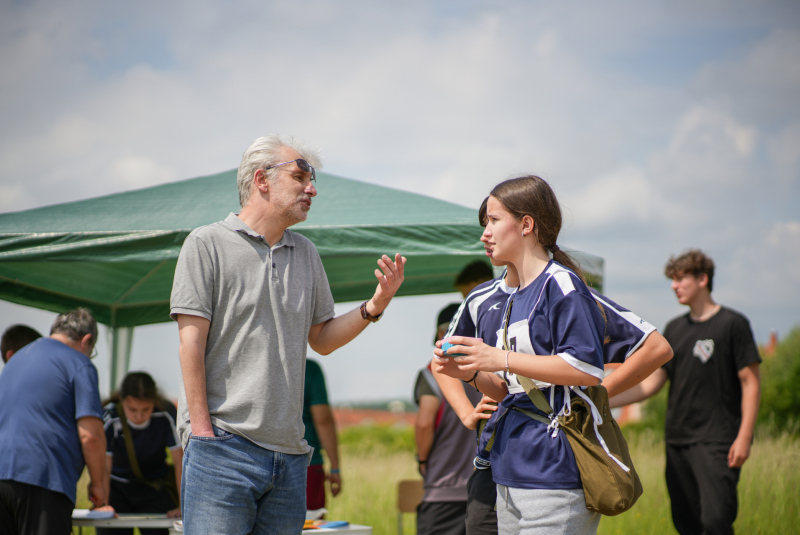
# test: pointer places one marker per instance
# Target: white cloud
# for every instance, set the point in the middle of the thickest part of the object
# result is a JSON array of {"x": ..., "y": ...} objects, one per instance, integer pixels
[
  {"x": 761, "y": 85},
  {"x": 785, "y": 236},
  {"x": 761, "y": 277},
  {"x": 709, "y": 149},
  {"x": 12, "y": 196},
  {"x": 623, "y": 196},
  {"x": 133, "y": 172}
]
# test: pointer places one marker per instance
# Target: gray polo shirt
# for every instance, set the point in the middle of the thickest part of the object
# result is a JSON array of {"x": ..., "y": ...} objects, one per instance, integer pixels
[{"x": 261, "y": 302}]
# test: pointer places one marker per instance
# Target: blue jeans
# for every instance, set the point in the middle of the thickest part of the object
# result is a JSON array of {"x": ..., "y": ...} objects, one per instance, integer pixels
[{"x": 233, "y": 486}]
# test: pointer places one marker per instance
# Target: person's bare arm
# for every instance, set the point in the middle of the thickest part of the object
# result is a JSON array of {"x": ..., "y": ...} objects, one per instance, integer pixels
[
  {"x": 330, "y": 335},
  {"x": 491, "y": 385},
  {"x": 424, "y": 429},
  {"x": 548, "y": 368},
  {"x": 177, "y": 461},
  {"x": 453, "y": 391},
  {"x": 645, "y": 389},
  {"x": 482, "y": 411},
  {"x": 109, "y": 465},
  {"x": 488, "y": 383},
  {"x": 650, "y": 356},
  {"x": 193, "y": 332},
  {"x": 750, "y": 379},
  {"x": 93, "y": 446},
  {"x": 325, "y": 425}
]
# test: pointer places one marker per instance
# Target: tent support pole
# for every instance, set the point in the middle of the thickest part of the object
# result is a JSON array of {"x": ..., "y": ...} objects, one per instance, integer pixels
[{"x": 121, "y": 342}]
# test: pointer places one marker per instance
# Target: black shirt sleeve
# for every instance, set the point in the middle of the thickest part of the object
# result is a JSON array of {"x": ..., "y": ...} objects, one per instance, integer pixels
[{"x": 745, "y": 351}]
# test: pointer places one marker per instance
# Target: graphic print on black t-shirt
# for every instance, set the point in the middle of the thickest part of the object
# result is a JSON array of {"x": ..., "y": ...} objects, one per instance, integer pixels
[{"x": 703, "y": 349}]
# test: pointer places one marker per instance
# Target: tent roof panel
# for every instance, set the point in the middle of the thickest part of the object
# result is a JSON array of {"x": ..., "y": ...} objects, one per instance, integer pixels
[{"x": 116, "y": 254}]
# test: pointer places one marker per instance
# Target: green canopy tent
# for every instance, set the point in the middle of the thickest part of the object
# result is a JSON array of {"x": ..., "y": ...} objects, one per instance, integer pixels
[{"x": 116, "y": 254}]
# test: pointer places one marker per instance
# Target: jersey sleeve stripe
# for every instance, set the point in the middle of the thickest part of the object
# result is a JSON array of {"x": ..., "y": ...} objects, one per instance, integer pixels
[
  {"x": 582, "y": 366},
  {"x": 477, "y": 298},
  {"x": 637, "y": 322},
  {"x": 639, "y": 343},
  {"x": 564, "y": 280},
  {"x": 172, "y": 426},
  {"x": 455, "y": 320},
  {"x": 110, "y": 421}
]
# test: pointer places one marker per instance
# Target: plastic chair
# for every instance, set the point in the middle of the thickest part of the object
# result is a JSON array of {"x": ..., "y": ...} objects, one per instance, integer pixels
[{"x": 409, "y": 496}]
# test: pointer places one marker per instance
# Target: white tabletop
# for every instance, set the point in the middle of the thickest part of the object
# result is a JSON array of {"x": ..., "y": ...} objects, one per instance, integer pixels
[
  {"x": 129, "y": 520},
  {"x": 133, "y": 520},
  {"x": 352, "y": 529}
]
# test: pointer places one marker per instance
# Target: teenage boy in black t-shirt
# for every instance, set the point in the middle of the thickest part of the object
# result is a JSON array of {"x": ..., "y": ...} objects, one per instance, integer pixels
[{"x": 713, "y": 400}]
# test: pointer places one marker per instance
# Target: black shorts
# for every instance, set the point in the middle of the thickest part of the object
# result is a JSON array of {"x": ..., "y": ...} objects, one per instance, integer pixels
[
  {"x": 441, "y": 518},
  {"x": 31, "y": 510},
  {"x": 481, "y": 503}
]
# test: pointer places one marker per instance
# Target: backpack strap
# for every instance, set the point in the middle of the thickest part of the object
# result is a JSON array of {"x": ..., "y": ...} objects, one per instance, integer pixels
[
  {"x": 483, "y": 422},
  {"x": 490, "y": 442},
  {"x": 132, "y": 460},
  {"x": 538, "y": 399},
  {"x": 533, "y": 415}
]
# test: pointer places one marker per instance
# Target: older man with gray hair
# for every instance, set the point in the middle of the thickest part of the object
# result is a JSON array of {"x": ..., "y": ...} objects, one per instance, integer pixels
[
  {"x": 249, "y": 296},
  {"x": 50, "y": 425}
]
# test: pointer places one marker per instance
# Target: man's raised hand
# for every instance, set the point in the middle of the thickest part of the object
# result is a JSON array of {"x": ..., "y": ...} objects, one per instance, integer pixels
[{"x": 390, "y": 277}]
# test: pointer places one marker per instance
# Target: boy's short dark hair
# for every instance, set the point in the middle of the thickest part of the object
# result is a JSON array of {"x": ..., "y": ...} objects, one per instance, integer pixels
[
  {"x": 16, "y": 337},
  {"x": 445, "y": 316},
  {"x": 693, "y": 262},
  {"x": 478, "y": 271}
]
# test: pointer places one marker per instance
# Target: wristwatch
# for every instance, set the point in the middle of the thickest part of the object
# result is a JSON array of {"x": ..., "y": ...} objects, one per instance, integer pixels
[{"x": 367, "y": 316}]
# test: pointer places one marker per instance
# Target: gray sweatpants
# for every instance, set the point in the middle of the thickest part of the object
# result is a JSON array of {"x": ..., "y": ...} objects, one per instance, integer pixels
[{"x": 544, "y": 512}]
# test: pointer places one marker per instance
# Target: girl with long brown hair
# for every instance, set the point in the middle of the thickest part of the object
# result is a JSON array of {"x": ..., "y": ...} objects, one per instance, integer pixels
[{"x": 553, "y": 334}]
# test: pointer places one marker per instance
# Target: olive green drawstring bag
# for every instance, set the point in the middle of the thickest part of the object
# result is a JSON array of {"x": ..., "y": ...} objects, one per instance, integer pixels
[{"x": 610, "y": 483}]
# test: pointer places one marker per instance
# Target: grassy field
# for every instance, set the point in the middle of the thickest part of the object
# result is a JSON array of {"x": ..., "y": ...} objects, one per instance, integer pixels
[
  {"x": 769, "y": 491},
  {"x": 375, "y": 459}
]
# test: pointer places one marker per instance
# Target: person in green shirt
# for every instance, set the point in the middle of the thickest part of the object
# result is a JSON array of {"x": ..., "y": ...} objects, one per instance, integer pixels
[{"x": 321, "y": 435}]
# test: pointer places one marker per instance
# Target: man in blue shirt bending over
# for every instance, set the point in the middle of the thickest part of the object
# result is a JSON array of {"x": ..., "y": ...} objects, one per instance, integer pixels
[{"x": 50, "y": 425}]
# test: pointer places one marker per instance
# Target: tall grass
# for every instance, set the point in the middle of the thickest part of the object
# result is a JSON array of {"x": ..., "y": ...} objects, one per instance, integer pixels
[
  {"x": 369, "y": 491},
  {"x": 769, "y": 489},
  {"x": 375, "y": 458}
]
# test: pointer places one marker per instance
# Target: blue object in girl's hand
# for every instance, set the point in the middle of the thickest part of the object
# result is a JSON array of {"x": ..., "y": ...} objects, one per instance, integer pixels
[{"x": 448, "y": 345}]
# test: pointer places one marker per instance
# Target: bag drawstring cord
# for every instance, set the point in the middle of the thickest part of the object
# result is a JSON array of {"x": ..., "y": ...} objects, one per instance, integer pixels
[
  {"x": 598, "y": 420},
  {"x": 566, "y": 410}
]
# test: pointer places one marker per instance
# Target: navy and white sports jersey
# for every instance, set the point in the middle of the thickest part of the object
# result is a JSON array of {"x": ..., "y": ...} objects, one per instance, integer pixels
[
  {"x": 554, "y": 315},
  {"x": 481, "y": 315},
  {"x": 481, "y": 312},
  {"x": 150, "y": 441}
]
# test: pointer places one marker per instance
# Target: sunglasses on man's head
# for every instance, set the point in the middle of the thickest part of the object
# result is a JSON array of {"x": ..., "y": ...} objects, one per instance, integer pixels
[{"x": 302, "y": 164}]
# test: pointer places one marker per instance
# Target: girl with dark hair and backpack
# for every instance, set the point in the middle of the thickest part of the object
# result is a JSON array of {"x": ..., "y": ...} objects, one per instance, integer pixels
[
  {"x": 553, "y": 333},
  {"x": 140, "y": 429}
]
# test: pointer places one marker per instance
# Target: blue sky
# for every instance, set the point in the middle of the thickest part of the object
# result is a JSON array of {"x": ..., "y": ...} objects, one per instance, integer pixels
[{"x": 660, "y": 125}]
